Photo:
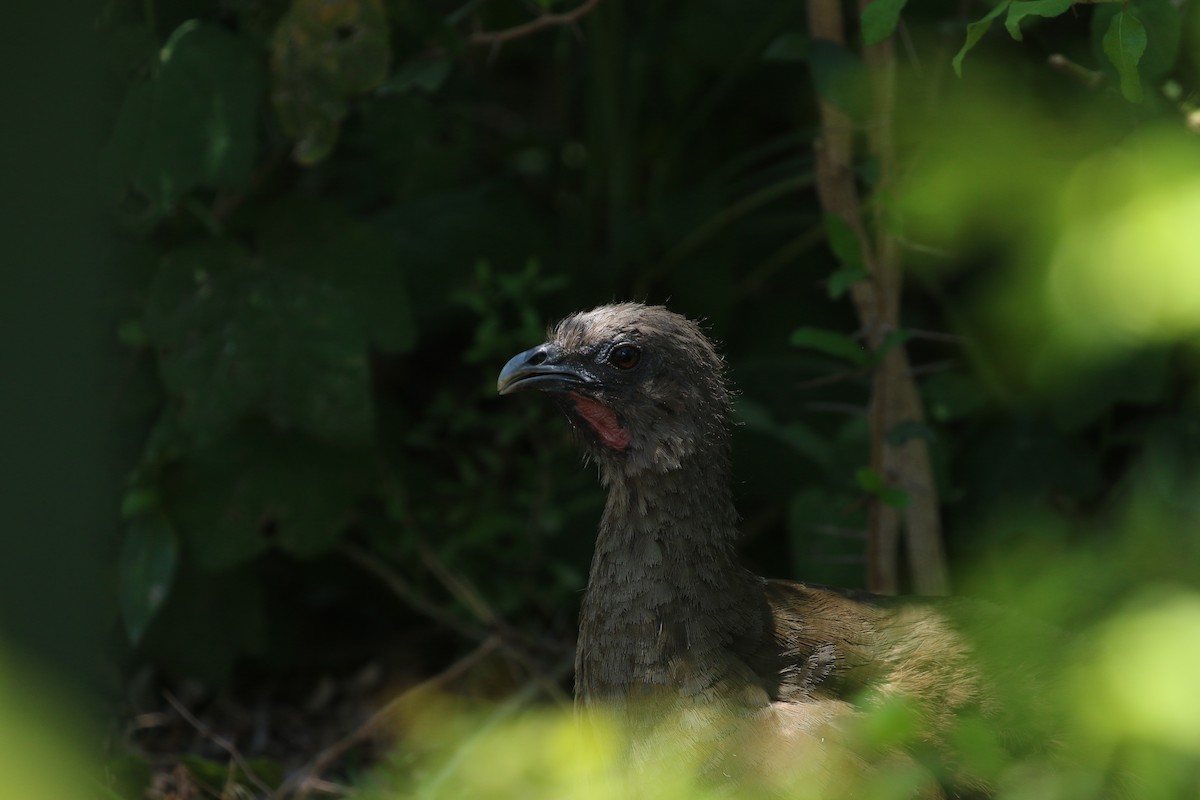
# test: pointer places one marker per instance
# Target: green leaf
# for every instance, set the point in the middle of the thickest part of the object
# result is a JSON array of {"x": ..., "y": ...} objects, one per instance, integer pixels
[
  {"x": 975, "y": 32},
  {"x": 149, "y": 554},
  {"x": 869, "y": 480},
  {"x": 842, "y": 279},
  {"x": 1124, "y": 44},
  {"x": 237, "y": 337},
  {"x": 258, "y": 490},
  {"x": 893, "y": 339},
  {"x": 839, "y": 77},
  {"x": 789, "y": 47},
  {"x": 844, "y": 242},
  {"x": 193, "y": 124},
  {"x": 831, "y": 343},
  {"x": 896, "y": 498},
  {"x": 428, "y": 75},
  {"x": 1019, "y": 9},
  {"x": 321, "y": 240},
  {"x": 904, "y": 432},
  {"x": 879, "y": 19},
  {"x": 322, "y": 53}
]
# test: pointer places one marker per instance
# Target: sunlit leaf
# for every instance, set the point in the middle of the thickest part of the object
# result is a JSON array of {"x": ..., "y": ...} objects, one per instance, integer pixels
[{"x": 1124, "y": 44}]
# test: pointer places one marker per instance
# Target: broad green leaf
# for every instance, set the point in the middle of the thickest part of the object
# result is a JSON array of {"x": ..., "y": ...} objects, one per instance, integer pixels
[
  {"x": 842, "y": 279},
  {"x": 869, "y": 480},
  {"x": 893, "y": 339},
  {"x": 801, "y": 438},
  {"x": 787, "y": 48},
  {"x": 1164, "y": 32},
  {"x": 831, "y": 343},
  {"x": 260, "y": 489},
  {"x": 192, "y": 124},
  {"x": 209, "y": 621},
  {"x": 844, "y": 242},
  {"x": 896, "y": 498},
  {"x": 839, "y": 77},
  {"x": 320, "y": 240},
  {"x": 149, "y": 554},
  {"x": 236, "y": 337},
  {"x": 428, "y": 75},
  {"x": 1019, "y": 9},
  {"x": 879, "y": 19},
  {"x": 323, "y": 52},
  {"x": 975, "y": 32},
  {"x": 1124, "y": 44},
  {"x": 904, "y": 432}
]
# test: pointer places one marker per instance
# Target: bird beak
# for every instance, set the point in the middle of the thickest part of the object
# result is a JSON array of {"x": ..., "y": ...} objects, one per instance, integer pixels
[{"x": 539, "y": 368}]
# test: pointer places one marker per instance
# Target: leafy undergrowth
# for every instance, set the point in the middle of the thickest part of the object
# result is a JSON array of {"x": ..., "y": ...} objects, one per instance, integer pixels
[{"x": 1123, "y": 707}]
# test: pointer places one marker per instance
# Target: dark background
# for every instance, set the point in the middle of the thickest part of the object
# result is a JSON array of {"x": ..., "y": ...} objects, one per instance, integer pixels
[{"x": 268, "y": 259}]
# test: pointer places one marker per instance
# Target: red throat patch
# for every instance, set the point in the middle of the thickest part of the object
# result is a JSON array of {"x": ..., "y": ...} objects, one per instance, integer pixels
[{"x": 603, "y": 421}]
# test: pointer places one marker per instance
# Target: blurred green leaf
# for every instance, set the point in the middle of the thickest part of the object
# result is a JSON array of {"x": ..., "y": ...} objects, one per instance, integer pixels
[
  {"x": 907, "y": 431},
  {"x": 839, "y": 77},
  {"x": 879, "y": 19},
  {"x": 236, "y": 499},
  {"x": 869, "y": 480},
  {"x": 149, "y": 554},
  {"x": 842, "y": 279},
  {"x": 322, "y": 53},
  {"x": 192, "y": 124},
  {"x": 1164, "y": 35},
  {"x": 426, "y": 74},
  {"x": 237, "y": 336},
  {"x": 975, "y": 32},
  {"x": 1019, "y": 9},
  {"x": 831, "y": 343},
  {"x": 1124, "y": 44},
  {"x": 787, "y": 48},
  {"x": 321, "y": 240},
  {"x": 844, "y": 242}
]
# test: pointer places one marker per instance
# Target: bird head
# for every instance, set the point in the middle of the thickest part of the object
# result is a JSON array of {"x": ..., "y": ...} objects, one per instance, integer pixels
[{"x": 643, "y": 385}]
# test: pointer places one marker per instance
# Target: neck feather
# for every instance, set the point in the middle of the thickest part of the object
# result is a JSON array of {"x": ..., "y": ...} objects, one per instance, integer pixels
[{"x": 665, "y": 588}]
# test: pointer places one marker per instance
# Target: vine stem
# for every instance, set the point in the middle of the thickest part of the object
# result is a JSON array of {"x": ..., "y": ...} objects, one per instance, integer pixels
[{"x": 894, "y": 394}]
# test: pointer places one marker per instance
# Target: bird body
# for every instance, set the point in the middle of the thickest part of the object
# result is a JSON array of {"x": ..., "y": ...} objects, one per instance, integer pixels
[{"x": 672, "y": 626}]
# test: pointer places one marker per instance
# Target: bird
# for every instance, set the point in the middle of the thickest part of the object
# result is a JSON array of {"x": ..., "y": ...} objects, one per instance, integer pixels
[{"x": 673, "y": 627}]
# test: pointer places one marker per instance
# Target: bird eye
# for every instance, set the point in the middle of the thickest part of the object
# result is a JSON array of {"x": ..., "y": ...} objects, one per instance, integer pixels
[{"x": 625, "y": 356}]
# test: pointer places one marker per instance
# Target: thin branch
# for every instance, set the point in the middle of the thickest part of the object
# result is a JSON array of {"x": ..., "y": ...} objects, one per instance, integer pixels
[
  {"x": 462, "y": 590},
  {"x": 219, "y": 741},
  {"x": 497, "y": 38},
  {"x": 402, "y": 589}
]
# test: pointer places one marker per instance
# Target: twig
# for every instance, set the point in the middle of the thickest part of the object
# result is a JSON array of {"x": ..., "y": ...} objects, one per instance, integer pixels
[
  {"x": 472, "y": 598},
  {"x": 459, "y": 587},
  {"x": 307, "y": 778},
  {"x": 405, "y": 592},
  {"x": 497, "y": 38},
  {"x": 219, "y": 741}
]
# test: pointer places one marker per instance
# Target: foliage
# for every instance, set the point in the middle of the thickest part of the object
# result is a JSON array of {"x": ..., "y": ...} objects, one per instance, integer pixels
[{"x": 336, "y": 221}]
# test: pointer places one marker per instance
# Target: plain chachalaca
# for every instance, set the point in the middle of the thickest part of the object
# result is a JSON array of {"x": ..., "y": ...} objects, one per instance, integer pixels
[{"x": 670, "y": 620}]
